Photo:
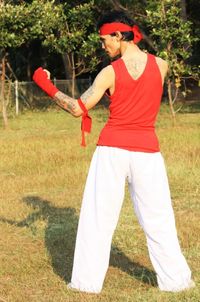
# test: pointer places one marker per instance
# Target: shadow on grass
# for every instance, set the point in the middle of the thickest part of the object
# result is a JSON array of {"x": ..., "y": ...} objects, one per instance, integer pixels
[
  {"x": 134, "y": 269},
  {"x": 60, "y": 235},
  {"x": 60, "y": 232}
]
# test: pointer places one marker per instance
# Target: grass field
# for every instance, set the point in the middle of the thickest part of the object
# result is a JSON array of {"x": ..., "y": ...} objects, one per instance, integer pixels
[{"x": 42, "y": 176}]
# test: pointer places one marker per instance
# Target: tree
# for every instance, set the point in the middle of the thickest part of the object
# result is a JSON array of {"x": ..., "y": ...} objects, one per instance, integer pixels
[
  {"x": 75, "y": 40},
  {"x": 173, "y": 41},
  {"x": 19, "y": 24},
  {"x": 193, "y": 9},
  {"x": 9, "y": 24}
]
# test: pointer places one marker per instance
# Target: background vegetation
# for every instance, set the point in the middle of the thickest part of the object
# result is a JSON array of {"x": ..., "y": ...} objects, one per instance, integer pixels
[
  {"x": 31, "y": 29},
  {"x": 62, "y": 36}
]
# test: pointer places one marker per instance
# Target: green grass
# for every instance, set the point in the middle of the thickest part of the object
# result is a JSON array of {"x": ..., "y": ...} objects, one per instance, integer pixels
[{"x": 42, "y": 175}]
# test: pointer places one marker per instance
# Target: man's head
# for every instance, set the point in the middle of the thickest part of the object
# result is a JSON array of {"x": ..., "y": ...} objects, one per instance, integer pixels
[{"x": 115, "y": 27}]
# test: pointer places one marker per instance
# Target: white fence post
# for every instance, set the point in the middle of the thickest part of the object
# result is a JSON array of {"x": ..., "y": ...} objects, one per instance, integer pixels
[{"x": 16, "y": 98}]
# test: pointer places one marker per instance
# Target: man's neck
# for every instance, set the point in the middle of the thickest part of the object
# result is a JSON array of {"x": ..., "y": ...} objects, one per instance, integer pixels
[{"x": 130, "y": 49}]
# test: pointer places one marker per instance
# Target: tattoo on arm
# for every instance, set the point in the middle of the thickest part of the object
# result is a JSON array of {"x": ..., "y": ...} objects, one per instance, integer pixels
[
  {"x": 65, "y": 102},
  {"x": 88, "y": 93}
]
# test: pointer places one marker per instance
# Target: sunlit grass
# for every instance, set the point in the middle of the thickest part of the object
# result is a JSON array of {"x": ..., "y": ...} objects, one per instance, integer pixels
[{"x": 42, "y": 174}]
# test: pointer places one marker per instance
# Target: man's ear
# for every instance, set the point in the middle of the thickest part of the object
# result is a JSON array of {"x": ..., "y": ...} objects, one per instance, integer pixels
[{"x": 118, "y": 35}]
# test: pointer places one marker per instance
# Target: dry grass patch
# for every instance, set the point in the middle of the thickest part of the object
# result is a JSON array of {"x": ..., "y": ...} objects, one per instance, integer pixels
[{"x": 42, "y": 174}]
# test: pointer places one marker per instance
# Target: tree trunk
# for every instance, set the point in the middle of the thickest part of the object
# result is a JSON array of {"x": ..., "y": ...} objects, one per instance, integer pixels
[
  {"x": 73, "y": 76},
  {"x": 70, "y": 71},
  {"x": 67, "y": 65},
  {"x": 171, "y": 105},
  {"x": 2, "y": 93},
  {"x": 183, "y": 10}
]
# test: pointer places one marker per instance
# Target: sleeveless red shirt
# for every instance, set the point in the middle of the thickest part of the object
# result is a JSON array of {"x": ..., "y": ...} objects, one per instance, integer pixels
[{"x": 133, "y": 109}]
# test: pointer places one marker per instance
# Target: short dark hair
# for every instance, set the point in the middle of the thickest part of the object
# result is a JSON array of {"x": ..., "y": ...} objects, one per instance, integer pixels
[{"x": 118, "y": 16}]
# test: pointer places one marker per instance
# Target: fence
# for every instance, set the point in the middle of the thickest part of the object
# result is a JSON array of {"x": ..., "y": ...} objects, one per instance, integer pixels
[{"x": 27, "y": 95}]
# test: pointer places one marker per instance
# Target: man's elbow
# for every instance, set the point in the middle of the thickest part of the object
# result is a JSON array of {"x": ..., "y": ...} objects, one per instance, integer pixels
[{"x": 77, "y": 114}]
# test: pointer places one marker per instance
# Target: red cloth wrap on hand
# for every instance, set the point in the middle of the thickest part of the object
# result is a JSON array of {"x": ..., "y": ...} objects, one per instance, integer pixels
[
  {"x": 40, "y": 77},
  {"x": 109, "y": 28},
  {"x": 86, "y": 123}
]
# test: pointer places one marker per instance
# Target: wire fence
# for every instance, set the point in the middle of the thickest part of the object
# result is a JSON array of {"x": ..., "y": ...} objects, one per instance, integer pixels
[
  {"x": 27, "y": 95},
  {"x": 20, "y": 96}
]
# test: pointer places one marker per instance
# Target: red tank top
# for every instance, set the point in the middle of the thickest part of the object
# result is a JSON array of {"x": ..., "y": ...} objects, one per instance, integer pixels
[{"x": 133, "y": 109}]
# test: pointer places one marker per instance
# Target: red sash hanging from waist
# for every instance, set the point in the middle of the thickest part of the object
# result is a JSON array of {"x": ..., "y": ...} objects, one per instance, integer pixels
[{"x": 86, "y": 123}]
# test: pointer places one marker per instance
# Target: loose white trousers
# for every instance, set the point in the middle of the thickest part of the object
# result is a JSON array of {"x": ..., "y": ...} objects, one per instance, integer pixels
[{"x": 101, "y": 205}]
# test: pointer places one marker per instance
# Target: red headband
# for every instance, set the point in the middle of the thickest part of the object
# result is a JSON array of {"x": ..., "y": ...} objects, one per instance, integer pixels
[{"x": 110, "y": 28}]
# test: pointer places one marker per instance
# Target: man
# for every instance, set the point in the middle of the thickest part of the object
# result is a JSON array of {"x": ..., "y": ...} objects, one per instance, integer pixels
[{"x": 127, "y": 149}]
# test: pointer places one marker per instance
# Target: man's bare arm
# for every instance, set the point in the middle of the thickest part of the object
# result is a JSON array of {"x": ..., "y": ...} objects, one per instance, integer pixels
[
  {"x": 103, "y": 81},
  {"x": 88, "y": 93},
  {"x": 90, "y": 97}
]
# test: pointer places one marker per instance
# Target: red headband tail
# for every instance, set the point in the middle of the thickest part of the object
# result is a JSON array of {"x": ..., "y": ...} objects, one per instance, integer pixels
[
  {"x": 110, "y": 28},
  {"x": 137, "y": 34}
]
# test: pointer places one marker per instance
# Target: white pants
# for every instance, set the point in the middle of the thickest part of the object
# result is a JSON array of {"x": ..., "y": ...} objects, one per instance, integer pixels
[{"x": 102, "y": 201}]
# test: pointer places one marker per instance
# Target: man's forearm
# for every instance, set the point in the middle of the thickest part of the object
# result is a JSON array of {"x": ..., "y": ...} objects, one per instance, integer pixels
[
  {"x": 69, "y": 104},
  {"x": 65, "y": 102}
]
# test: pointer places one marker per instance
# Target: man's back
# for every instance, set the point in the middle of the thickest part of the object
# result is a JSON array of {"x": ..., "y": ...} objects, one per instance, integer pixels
[{"x": 134, "y": 106}]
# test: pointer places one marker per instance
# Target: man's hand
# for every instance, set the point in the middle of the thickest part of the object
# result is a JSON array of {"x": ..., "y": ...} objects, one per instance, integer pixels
[{"x": 42, "y": 78}]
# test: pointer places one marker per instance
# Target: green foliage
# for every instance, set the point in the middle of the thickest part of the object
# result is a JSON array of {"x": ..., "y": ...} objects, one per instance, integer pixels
[
  {"x": 12, "y": 21},
  {"x": 68, "y": 27},
  {"x": 75, "y": 33},
  {"x": 172, "y": 35},
  {"x": 24, "y": 22}
]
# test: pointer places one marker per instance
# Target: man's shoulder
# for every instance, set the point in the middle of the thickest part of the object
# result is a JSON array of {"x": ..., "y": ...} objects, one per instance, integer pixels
[
  {"x": 163, "y": 66},
  {"x": 162, "y": 63},
  {"x": 105, "y": 77},
  {"x": 107, "y": 71}
]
